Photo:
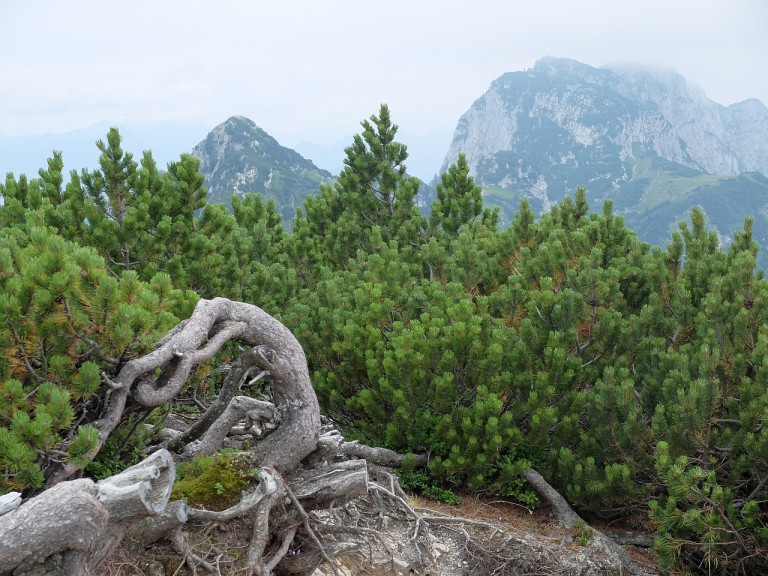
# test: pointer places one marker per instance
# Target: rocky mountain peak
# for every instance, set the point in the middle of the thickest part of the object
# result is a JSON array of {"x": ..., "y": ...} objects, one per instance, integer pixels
[
  {"x": 564, "y": 68},
  {"x": 237, "y": 157},
  {"x": 647, "y": 139},
  {"x": 635, "y": 109}
]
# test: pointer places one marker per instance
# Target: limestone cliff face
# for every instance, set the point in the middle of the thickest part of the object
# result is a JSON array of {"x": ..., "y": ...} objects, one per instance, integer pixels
[
  {"x": 647, "y": 140},
  {"x": 701, "y": 134},
  {"x": 562, "y": 107}
]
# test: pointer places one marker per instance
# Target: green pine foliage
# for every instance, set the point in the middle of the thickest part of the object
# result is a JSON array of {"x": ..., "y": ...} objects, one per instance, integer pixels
[
  {"x": 373, "y": 191},
  {"x": 65, "y": 322},
  {"x": 633, "y": 377},
  {"x": 565, "y": 343},
  {"x": 136, "y": 217}
]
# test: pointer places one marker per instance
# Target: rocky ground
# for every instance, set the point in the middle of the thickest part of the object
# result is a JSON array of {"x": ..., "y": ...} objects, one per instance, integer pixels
[{"x": 477, "y": 537}]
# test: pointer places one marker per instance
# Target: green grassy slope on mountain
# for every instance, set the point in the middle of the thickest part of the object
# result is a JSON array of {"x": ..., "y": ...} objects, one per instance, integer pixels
[{"x": 659, "y": 195}]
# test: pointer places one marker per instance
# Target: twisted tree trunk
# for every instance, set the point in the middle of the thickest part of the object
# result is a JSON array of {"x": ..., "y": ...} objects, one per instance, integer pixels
[
  {"x": 83, "y": 520},
  {"x": 212, "y": 324}
]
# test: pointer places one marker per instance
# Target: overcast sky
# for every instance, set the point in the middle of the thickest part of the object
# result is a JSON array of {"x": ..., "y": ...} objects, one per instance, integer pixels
[{"x": 313, "y": 69}]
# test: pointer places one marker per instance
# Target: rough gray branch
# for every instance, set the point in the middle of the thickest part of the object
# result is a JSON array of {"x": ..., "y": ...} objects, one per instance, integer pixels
[
  {"x": 141, "y": 490},
  {"x": 84, "y": 520},
  {"x": 154, "y": 528},
  {"x": 232, "y": 383},
  {"x": 212, "y": 323},
  {"x": 568, "y": 518},
  {"x": 565, "y": 515},
  {"x": 343, "y": 481},
  {"x": 66, "y": 518},
  {"x": 238, "y": 408},
  {"x": 9, "y": 502}
]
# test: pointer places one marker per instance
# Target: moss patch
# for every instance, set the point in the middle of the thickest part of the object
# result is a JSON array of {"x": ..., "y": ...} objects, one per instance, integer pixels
[{"x": 211, "y": 482}]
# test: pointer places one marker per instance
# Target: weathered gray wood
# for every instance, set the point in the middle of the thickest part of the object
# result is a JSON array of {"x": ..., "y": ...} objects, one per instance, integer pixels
[
  {"x": 154, "y": 528},
  {"x": 383, "y": 456},
  {"x": 84, "y": 520},
  {"x": 340, "y": 482},
  {"x": 141, "y": 490},
  {"x": 261, "y": 530},
  {"x": 233, "y": 382},
  {"x": 238, "y": 408},
  {"x": 568, "y": 518},
  {"x": 212, "y": 324},
  {"x": 66, "y": 518},
  {"x": 331, "y": 445}
]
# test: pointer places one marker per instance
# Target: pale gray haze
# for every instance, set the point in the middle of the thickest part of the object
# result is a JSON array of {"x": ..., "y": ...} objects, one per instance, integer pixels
[{"x": 311, "y": 70}]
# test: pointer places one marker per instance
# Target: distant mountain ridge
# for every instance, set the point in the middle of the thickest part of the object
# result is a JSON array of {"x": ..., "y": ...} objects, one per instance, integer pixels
[
  {"x": 237, "y": 157},
  {"x": 647, "y": 139},
  {"x": 626, "y": 109}
]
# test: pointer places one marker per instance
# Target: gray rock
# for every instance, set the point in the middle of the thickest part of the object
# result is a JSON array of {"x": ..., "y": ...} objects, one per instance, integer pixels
[{"x": 626, "y": 108}]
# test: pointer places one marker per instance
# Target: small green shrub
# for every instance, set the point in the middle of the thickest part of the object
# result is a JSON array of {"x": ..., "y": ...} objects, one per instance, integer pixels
[
  {"x": 582, "y": 532},
  {"x": 126, "y": 446},
  {"x": 421, "y": 483}
]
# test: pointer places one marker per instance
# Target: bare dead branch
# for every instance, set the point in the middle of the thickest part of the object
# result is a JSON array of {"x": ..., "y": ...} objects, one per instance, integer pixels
[
  {"x": 312, "y": 534},
  {"x": 154, "y": 528},
  {"x": 383, "y": 456},
  {"x": 190, "y": 557},
  {"x": 239, "y": 407},
  {"x": 260, "y": 534},
  {"x": 212, "y": 323},
  {"x": 563, "y": 512},
  {"x": 568, "y": 518},
  {"x": 149, "y": 394},
  {"x": 282, "y": 551}
]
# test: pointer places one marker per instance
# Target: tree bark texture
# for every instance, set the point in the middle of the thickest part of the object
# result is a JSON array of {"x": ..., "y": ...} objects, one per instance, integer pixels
[
  {"x": 239, "y": 408},
  {"x": 154, "y": 528},
  {"x": 84, "y": 520},
  {"x": 339, "y": 482},
  {"x": 141, "y": 490},
  {"x": 66, "y": 518},
  {"x": 234, "y": 380},
  {"x": 9, "y": 502}
]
